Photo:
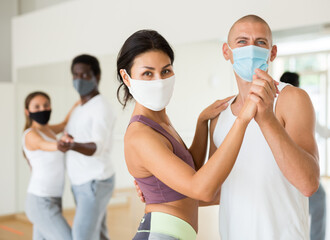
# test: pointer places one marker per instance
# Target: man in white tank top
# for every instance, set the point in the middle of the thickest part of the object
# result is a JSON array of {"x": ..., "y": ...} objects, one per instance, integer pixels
[
  {"x": 317, "y": 202},
  {"x": 265, "y": 195}
]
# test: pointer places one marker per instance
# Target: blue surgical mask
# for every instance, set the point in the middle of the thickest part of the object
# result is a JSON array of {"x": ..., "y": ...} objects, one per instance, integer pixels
[
  {"x": 247, "y": 59},
  {"x": 84, "y": 87}
]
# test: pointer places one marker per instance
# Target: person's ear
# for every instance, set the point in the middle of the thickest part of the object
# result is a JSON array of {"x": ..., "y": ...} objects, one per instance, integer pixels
[
  {"x": 26, "y": 112},
  {"x": 226, "y": 51},
  {"x": 125, "y": 77},
  {"x": 273, "y": 53},
  {"x": 98, "y": 78}
]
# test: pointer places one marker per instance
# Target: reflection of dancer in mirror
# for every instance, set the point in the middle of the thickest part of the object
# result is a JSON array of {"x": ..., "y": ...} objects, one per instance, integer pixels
[
  {"x": 44, "y": 199},
  {"x": 88, "y": 143},
  {"x": 171, "y": 176},
  {"x": 317, "y": 202}
]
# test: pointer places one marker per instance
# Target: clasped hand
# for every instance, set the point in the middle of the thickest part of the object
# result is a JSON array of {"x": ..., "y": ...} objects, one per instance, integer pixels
[
  {"x": 263, "y": 92},
  {"x": 65, "y": 143}
]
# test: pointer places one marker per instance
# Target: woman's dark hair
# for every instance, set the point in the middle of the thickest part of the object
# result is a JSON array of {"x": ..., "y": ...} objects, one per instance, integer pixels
[
  {"x": 139, "y": 42},
  {"x": 88, "y": 60},
  {"x": 28, "y": 99},
  {"x": 291, "y": 78}
]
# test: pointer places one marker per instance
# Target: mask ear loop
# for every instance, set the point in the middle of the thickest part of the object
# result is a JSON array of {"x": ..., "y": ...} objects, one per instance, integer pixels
[
  {"x": 269, "y": 54},
  {"x": 229, "y": 47},
  {"x": 129, "y": 77},
  {"x": 95, "y": 81},
  {"x": 130, "y": 81}
]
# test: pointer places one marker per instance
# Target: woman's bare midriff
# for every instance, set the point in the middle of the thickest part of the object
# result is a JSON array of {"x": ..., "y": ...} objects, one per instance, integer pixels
[{"x": 185, "y": 209}]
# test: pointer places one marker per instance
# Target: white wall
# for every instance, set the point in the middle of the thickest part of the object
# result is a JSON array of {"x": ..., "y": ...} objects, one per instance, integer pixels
[
  {"x": 45, "y": 41},
  {"x": 8, "y": 9},
  {"x": 26, "y": 6},
  {"x": 101, "y": 26},
  {"x": 8, "y": 149}
]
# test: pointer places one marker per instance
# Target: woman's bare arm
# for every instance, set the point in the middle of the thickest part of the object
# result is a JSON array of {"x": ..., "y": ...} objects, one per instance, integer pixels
[
  {"x": 198, "y": 147},
  {"x": 160, "y": 161},
  {"x": 33, "y": 141}
]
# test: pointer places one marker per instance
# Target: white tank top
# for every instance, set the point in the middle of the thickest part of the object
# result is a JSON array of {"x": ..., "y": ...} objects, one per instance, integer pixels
[
  {"x": 48, "y": 170},
  {"x": 257, "y": 202}
]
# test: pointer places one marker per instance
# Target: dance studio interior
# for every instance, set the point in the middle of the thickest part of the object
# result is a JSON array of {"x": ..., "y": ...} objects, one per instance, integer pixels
[{"x": 39, "y": 39}]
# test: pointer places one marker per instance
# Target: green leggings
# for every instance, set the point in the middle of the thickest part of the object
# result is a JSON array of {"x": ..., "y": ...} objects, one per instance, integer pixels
[{"x": 157, "y": 225}]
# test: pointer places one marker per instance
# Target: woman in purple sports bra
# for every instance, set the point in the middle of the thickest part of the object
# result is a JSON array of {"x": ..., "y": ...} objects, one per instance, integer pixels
[{"x": 171, "y": 176}]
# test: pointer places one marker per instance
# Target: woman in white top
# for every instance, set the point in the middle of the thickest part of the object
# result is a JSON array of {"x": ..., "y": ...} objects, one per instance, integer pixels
[{"x": 44, "y": 200}]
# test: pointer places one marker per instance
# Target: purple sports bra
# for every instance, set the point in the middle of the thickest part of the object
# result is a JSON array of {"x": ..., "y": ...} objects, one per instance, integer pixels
[{"x": 153, "y": 189}]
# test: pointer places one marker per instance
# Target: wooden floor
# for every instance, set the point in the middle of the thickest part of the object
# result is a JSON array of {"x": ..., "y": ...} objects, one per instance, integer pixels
[
  {"x": 123, "y": 220},
  {"x": 18, "y": 227}
]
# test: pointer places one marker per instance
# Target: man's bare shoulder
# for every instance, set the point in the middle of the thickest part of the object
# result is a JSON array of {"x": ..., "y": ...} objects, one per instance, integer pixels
[
  {"x": 291, "y": 92},
  {"x": 292, "y": 102}
]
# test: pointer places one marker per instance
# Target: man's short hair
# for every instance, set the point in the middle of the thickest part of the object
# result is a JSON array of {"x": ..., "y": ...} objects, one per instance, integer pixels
[{"x": 88, "y": 60}]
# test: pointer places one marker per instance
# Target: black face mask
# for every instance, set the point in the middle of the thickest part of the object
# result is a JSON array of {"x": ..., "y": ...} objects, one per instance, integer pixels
[{"x": 40, "y": 117}]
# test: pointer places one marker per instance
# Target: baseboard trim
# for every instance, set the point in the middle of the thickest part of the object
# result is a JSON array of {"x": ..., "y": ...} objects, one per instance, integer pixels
[
  {"x": 121, "y": 198},
  {"x": 7, "y": 217}
]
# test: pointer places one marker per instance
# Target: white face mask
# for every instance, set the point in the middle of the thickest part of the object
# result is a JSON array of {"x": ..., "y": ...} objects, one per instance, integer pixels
[{"x": 152, "y": 94}]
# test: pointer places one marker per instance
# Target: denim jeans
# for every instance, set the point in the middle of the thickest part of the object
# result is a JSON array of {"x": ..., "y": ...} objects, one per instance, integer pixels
[
  {"x": 46, "y": 215},
  {"x": 317, "y": 210},
  {"x": 91, "y": 206}
]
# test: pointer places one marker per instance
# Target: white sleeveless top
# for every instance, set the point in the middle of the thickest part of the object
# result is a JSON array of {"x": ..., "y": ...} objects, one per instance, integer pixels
[
  {"x": 48, "y": 170},
  {"x": 257, "y": 202}
]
